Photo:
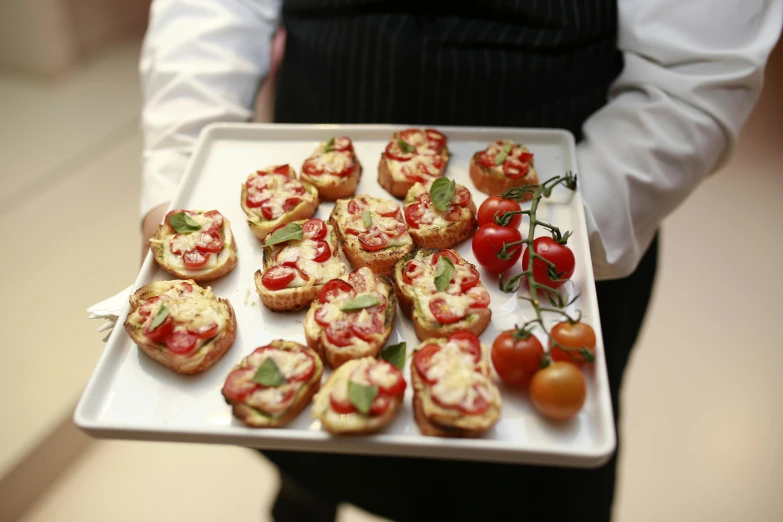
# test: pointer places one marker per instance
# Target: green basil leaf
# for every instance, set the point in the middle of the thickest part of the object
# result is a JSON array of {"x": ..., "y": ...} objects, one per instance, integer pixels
[
  {"x": 183, "y": 223},
  {"x": 441, "y": 192},
  {"x": 395, "y": 354},
  {"x": 362, "y": 396},
  {"x": 269, "y": 374},
  {"x": 503, "y": 154},
  {"x": 444, "y": 273},
  {"x": 329, "y": 145},
  {"x": 357, "y": 303},
  {"x": 367, "y": 219},
  {"x": 161, "y": 316},
  {"x": 290, "y": 232},
  {"x": 405, "y": 146}
]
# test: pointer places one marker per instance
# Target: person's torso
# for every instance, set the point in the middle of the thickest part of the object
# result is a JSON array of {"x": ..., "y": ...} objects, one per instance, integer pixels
[{"x": 484, "y": 63}]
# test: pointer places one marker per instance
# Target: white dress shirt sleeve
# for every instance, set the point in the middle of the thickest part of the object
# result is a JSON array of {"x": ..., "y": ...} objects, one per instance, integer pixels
[
  {"x": 202, "y": 61},
  {"x": 693, "y": 71}
]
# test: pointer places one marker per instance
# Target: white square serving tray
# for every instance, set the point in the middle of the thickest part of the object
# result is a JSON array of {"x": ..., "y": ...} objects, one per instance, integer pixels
[{"x": 129, "y": 396}]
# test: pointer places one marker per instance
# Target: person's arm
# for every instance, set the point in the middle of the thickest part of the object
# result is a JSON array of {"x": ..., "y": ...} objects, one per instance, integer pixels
[
  {"x": 202, "y": 62},
  {"x": 693, "y": 71}
]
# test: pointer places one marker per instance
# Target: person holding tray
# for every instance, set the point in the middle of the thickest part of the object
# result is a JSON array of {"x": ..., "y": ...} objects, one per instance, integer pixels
[{"x": 655, "y": 92}]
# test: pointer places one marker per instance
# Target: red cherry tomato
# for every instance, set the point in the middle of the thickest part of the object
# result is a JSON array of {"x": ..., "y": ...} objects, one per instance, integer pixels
[
  {"x": 577, "y": 336},
  {"x": 552, "y": 251},
  {"x": 443, "y": 313},
  {"x": 332, "y": 289},
  {"x": 393, "y": 389},
  {"x": 380, "y": 404},
  {"x": 461, "y": 196},
  {"x": 474, "y": 404},
  {"x": 342, "y": 407},
  {"x": 373, "y": 240},
  {"x": 269, "y": 210},
  {"x": 343, "y": 143},
  {"x": 515, "y": 168},
  {"x": 162, "y": 331},
  {"x": 517, "y": 358},
  {"x": 195, "y": 259},
  {"x": 340, "y": 334},
  {"x": 357, "y": 206},
  {"x": 479, "y": 299},
  {"x": 322, "y": 251},
  {"x": 239, "y": 384},
  {"x": 291, "y": 203},
  {"x": 558, "y": 391},
  {"x": 278, "y": 277},
  {"x": 367, "y": 332},
  {"x": 468, "y": 343},
  {"x": 416, "y": 215},
  {"x": 487, "y": 159},
  {"x": 216, "y": 217},
  {"x": 314, "y": 229},
  {"x": 305, "y": 371},
  {"x": 394, "y": 152},
  {"x": 498, "y": 205},
  {"x": 283, "y": 169},
  {"x": 186, "y": 287},
  {"x": 412, "y": 270},
  {"x": 422, "y": 361},
  {"x": 453, "y": 213},
  {"x": 210, "y": 241},
  {"x": 446, "y": 253},
  {"x": 205, "y": 331},
  {"x": 487, "y": 243},
  {"x": 181, "y": 342},
  {"x": 311, "y": 168},
  {"x": 470, "y": 280},
  {"x": 359, "y": 281}
]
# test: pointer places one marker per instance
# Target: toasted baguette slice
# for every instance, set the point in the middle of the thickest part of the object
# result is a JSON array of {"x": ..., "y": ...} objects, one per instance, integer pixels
[
  {"x": 247, "y": 397},
  {"x": 433, "y": 228},
  {"x": 493, "y": 180},
  {"x": 362, "y": 282},
  {"x": 356, "y": 423},
  {"x": 333, "y": 169},
  {"x": 424, "y": 158},
  {"x": 218, "y": 264},
  {"x": 415, "y": 300},
  {"x": 278, "y": 191},
  {"x": 189, "y": 307},
  {"x": 299, "y": 293},
  {"x": 435, "y": 420},
  {"x": 348, "y": 215}
]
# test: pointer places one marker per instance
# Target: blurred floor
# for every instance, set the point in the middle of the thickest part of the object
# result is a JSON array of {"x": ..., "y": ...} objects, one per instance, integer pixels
[{"x": 703, "y": 435}]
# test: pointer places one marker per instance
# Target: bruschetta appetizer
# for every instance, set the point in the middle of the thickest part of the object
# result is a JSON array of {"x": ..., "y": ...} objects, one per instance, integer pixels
[
  {"x": 352, "y": 317},
  {"x": 501, "y": 166},
  {"x": 453, "y": 393},
  {"x": 441, "y": 293},
  {"x": 372, "y": 232},
  {"x": 274, "y": 197},
  {"x": 181, "y": 325},
  {"x": 412, "y": 156},
  {"x": 333, "y": 169},
  {"x": 439, "y": 213},
  {"x": 270, "y": 386},
  {"x": 361, "y": 396},
  {"x": 299, "y": 258},
  {"x": 195, "y": 245}
]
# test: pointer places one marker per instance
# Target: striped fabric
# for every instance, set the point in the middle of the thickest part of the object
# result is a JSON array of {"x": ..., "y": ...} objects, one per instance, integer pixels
[{"x": 523, "y": 63}]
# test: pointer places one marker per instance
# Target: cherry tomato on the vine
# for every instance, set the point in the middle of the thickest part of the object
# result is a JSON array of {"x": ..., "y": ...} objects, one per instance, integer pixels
[
  {"x": 498, "y": 205},
  {"x": 517, "y": 357},
  {"x": 554, "y": 252},
  {"x": 577, "y": 336},
  {"x": 558, "y": 391},
  {"x": 488, "y": 241}
]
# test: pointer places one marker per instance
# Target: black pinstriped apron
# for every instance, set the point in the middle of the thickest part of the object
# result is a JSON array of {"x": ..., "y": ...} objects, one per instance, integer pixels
[{"x": 524, "y": 63}]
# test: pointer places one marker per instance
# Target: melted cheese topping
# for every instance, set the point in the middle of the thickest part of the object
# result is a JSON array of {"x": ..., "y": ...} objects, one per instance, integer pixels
[
  {"x": 189, "y": 310},
  {"x": 337, "y": 383},
  {"x": 333, "y": 314},
  {"x": 424, "y": 289},
  {"x": 187, "y": 241},
  {"x": 423, "y": 165},
  {"x": 330, "y": 163},
  {"x": 302, "y": 252},
  {"x": 460, "y": 381},
  {"x": 275, "y": 189},
  {"x": 516, "y": 151},
  {"x": 377, "y": 207}
]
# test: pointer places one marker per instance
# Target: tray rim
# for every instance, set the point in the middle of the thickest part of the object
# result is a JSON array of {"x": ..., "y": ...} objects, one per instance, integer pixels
[{"x": 380, "y": 444}]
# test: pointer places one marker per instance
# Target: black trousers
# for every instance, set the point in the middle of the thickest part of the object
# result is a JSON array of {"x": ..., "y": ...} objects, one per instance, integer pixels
[{"x": 407, "y": 489}]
